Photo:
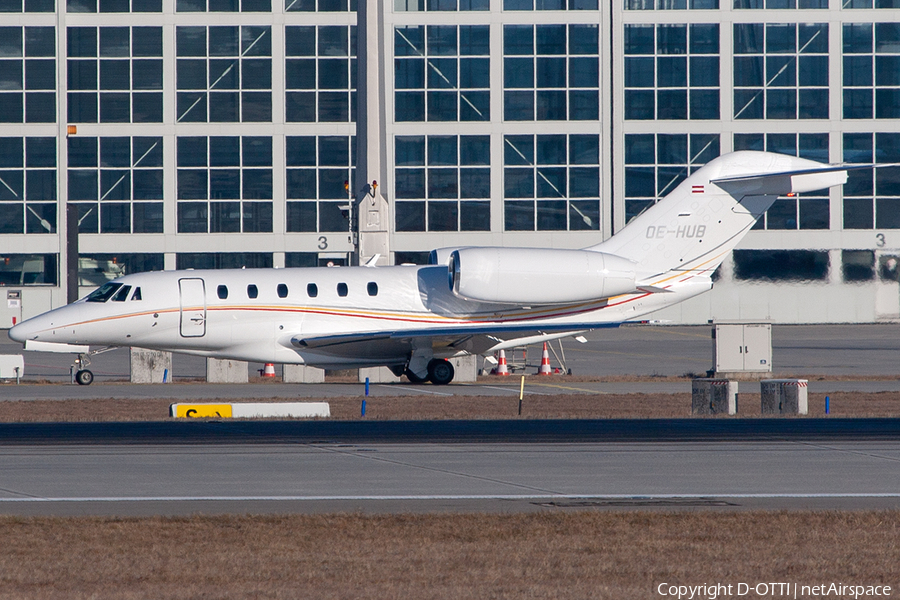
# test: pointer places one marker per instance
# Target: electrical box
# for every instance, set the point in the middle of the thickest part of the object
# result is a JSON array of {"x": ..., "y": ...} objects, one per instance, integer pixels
[
  {"x": 11, "y": 314},
  {"x": 742, "y": 347},
  {"x": 784, "y": 396}
]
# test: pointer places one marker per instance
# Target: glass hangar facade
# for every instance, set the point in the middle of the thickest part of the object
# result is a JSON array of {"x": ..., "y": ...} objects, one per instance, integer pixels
[{"x": 221, "y": 133}]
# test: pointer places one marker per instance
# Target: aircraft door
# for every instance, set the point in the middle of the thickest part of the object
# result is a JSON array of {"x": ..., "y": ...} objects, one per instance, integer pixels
[{"x": 192, "y": 293}]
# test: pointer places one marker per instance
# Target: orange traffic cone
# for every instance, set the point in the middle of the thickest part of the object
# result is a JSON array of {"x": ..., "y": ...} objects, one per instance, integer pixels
[
  {"x": 502, "y": 369},
  {"x": 269, "y": 370},
  {"x": 545, "y": 363}
]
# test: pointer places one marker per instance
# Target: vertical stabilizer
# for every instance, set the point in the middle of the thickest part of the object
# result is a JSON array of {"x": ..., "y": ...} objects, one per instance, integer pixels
[{"x": 703, "y": 219}]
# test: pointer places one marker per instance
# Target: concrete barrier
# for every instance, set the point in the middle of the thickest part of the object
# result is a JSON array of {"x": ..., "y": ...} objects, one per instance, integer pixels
[
  {"x": 377, "y": 375},
  {"x": 714, "y": 397},
  {"x": 150, "y": 366},
  {"x": 302, "y": 374},
  {"x": 12, "y": 366},
  {"x": 251, "y": 410},
  {"x": 226, "y": 371},
  {"x": 784, "y": 396},
  {"x": 466, "y": 368}
]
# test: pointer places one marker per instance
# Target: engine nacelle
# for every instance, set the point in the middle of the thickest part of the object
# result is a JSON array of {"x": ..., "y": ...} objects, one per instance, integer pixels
[
  {"x": 538, "y": 276},
  {"x": 441, "y": 256}
]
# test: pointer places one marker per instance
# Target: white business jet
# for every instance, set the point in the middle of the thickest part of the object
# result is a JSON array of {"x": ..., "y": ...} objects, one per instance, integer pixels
[{"x": 470, "y": 300}]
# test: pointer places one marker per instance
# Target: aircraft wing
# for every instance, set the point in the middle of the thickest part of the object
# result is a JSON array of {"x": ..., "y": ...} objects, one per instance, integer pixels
[{"x": 445, "y": 341}]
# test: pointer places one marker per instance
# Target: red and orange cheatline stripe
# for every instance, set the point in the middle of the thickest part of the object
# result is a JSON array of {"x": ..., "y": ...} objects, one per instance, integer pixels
[{"x": 556, "y": 312}]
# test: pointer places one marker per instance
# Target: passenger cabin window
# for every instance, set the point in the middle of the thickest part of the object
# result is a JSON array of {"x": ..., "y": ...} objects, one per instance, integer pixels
[
  {"x": 282, "y": 290},
  {"x": 342, "y": 289},
  {"x": 372, "y": 288},
  {"x": 312, "y": 290},
  {"x": 137, "y": 294},
  {"x": 122, "y": 294},
  {"x": 103, "y": 293},
  {"x": 222, "y": 292},
  {"x": 252, "y": 292}
]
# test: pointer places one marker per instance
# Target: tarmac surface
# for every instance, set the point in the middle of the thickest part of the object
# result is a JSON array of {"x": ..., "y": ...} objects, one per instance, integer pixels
[
  {"x": 495, "y": 466},
  {"x": 173, "y": 468},
  {"x": 858, "y": 351}
]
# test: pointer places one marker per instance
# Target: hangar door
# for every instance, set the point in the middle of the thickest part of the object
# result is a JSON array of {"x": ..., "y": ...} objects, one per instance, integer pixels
[{"x": 192, "y": 293}]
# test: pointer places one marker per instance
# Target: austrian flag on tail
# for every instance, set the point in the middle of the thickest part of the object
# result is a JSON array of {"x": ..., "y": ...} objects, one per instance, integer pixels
[{"x": 696, "y": 189}]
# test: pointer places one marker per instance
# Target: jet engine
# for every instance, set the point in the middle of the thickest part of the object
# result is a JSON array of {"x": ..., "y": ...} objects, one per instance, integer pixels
[{"x": 538, "y": 276}]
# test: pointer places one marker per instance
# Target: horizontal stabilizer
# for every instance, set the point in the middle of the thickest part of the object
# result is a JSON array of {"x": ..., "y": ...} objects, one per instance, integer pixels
[
  {"x": 793, "y": 181},
  {"x": 784, "y": 182},
  {"x": 827, "y": 169}
]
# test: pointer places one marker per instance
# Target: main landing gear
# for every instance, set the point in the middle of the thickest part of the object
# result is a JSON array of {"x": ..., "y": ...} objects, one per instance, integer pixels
[{"x": 440, "y": 372}]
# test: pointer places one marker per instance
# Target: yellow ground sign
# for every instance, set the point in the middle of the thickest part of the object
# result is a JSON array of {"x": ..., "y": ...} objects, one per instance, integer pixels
[{"x": 203, "y": 410}]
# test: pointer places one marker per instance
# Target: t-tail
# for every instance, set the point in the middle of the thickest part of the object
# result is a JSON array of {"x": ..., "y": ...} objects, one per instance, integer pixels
[
  {"x": 688, "y": 233},
  {"x": 703, "y": 219}
]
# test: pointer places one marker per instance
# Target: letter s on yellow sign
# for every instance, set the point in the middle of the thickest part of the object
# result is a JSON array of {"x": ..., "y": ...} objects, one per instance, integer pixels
[{"x": 203, "y": 410}]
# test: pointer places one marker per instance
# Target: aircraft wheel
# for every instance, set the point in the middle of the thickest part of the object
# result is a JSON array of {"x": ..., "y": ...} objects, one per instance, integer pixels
[
  {"x": 413, "y": 378},
  {"x": 440, "y": 372},
  {"x": 84, "y": 377}
]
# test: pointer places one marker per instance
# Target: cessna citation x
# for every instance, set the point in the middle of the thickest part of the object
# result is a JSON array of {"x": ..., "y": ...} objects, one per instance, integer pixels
[{"x": 469, "y": 300}]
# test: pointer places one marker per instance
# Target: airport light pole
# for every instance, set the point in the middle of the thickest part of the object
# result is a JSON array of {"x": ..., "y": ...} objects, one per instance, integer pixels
[{"x": 372, "y": 210}]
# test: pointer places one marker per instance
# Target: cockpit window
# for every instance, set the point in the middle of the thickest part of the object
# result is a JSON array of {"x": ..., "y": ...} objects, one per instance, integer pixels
[
  {"x": 122, "y": 294},
  {"x": 103, "y": 293},
  {"x": 137, "y": 294}
]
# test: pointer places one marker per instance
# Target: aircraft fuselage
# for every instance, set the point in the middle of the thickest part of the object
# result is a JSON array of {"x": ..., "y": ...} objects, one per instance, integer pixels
[{"x": 264, "y": 314}]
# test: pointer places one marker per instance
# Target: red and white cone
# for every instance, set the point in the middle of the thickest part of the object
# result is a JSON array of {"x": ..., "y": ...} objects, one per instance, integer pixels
[
  {"x": 545, "y": 362},
  {"x": 502, "y": 368},
  {"x": 269, "y": 370}
]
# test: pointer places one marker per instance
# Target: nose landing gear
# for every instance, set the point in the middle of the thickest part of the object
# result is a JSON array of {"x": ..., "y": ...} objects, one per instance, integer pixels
[
  {"x": 84, "y": 377},
  {"x": 79, "y": 372}
]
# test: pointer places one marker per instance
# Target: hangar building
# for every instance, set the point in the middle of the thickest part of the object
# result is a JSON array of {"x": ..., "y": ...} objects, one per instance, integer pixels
[{"x": 220, "y": 133}]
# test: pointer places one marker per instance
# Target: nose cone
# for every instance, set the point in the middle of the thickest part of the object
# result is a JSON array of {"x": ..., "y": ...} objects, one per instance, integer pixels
[
  {"x": 23, "y": 331},
  {"x": 34, "y": 328}
]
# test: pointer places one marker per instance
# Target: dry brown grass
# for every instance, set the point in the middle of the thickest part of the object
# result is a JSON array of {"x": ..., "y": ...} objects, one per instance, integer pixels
[
  {"x": 538, "y": 555},
  {"x": 563, "y": 406}
]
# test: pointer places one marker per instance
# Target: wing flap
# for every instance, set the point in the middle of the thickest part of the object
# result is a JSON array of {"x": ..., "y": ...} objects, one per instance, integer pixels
[
  {"x": 325, "y": 341},
  {"x": 446, "y": 333},
  {"x": 445, "y": 341}
]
